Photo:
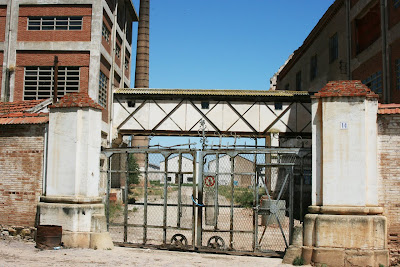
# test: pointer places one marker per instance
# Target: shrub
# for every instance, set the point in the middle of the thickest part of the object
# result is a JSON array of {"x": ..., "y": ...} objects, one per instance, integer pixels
[{"x": 298, "y": 261}]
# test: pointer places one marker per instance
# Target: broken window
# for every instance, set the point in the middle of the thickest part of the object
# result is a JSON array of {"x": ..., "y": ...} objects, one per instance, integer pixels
[
  {"x": 374, "y": 82},
  {"x": 39, "y": 81}
]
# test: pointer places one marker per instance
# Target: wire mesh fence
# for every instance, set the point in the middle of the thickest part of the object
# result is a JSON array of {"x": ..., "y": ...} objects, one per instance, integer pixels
[{"x": 241, "y": 200}]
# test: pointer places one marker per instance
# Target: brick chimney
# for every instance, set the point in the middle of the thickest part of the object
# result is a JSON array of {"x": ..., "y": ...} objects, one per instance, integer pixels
[{"x": 142, "y": 52}]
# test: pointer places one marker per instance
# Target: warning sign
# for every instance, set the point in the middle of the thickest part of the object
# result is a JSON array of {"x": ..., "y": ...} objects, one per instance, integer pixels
[{"x": 209, "y": 181}]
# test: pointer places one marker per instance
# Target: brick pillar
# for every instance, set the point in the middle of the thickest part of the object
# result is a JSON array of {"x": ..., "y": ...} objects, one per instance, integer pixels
[
  {"x": 143, "y": 44},
  {"x": 345, "y": 225}
]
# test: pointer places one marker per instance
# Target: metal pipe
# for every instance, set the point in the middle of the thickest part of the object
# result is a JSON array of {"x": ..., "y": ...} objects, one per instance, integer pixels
[
  {"x": 385, "y": 62},
  {"x": 232, "y": 202},
  {"x": 193, "y": 194},
  {"x": 179, "y": 208},
  {"x": 108, "y": 192},
  {"x": 165, "y": 200},
  {"x": 126, "y": 199},
  {"x": 45, "y": 156},
  {"x": 146, "y": 167},
  {"x": 200, "y": 200},
  {"x": 55, "y": 84},
  {"x": 291, "y": 196},
  {"x": 216, "y": 210},
  {"x": 348, "y": 39}
]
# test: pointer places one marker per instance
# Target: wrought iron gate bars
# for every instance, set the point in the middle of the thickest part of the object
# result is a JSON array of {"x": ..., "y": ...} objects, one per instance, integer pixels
[{"x": 197, "y": 227}]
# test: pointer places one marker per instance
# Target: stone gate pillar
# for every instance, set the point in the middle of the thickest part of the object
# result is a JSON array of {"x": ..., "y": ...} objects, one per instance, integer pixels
[
  {"x": 345, "y": 227},
  {"x": 73, "y": 173}
]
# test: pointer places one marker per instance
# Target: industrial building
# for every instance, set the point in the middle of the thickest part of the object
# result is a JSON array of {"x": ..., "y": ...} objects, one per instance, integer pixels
[
  {"x": 354, "y": 40},
  {"x": 92, "y": 42}
]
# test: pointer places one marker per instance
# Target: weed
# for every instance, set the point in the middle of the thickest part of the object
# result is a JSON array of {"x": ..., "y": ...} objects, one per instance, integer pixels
[
  {"x": 381, "y": 265},
  {"x": 298, "y": 261},
  {"x": 115, "y": 209}
]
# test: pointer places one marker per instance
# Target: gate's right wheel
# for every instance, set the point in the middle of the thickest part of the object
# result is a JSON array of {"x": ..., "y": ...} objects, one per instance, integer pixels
[
  {"x": 179, "y": 241},
  {"x": 216, "y": 242}
]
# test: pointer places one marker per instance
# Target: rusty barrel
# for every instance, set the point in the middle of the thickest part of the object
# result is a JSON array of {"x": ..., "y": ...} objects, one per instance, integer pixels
[{"x": 48, "y": 236}]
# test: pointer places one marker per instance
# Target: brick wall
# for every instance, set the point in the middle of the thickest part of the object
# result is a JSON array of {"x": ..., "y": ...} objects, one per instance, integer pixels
[
  {"x": 389, "y": 174},
  {"x": 107, "y": 22},
  {"x": 3, "y": 13},
  {"x": 1, "y": 66},
  {"x": 57, "y": 35},
  {"x": 44, "y": 58},
  {"x": 21, "y": 160}
]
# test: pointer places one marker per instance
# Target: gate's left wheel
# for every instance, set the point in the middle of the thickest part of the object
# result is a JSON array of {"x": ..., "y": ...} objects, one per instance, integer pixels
[
  {"x": 179, "y": 241},
  {"x": 216, "y": 242}
]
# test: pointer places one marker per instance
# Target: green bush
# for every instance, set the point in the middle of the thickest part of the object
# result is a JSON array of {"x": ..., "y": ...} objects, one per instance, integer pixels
[
  {"x": 133, "y": 168},
  {"x": 298, "y": 261}
]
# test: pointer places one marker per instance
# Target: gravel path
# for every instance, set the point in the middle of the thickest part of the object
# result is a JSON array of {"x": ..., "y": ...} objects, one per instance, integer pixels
[{"x": 22, "y": 253}]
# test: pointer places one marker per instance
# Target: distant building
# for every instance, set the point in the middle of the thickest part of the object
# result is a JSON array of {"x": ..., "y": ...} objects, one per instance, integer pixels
[
  {"x": 354, "y": 40},
  {"x": 187, "y": 168},
  {"x": 243, "y": 169}
]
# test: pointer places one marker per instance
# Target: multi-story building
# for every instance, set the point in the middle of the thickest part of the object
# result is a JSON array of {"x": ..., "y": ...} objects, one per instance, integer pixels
[
  {"x": 354, "y": 40},
  {"x": 92, "y": 41},
  {"x": 91, "y": 38}
]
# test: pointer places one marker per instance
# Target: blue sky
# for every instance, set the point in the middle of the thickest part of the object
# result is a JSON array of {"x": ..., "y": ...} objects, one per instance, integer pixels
[{"x": 225, "y": 44}]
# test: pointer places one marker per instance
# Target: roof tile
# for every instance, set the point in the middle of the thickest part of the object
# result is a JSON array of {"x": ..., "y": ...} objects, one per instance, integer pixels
[
  {"x": 345, "y": 89},
  {"x": 18, "y": 106},
  {"x": 388, "y": 109},
  {"x": 79, "y": 99}
]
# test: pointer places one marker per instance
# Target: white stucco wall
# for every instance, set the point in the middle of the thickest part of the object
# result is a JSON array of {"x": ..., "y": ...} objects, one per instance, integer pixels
[
  {"x": 344, "y": 151},
  {"x": 74, "y": 152}
]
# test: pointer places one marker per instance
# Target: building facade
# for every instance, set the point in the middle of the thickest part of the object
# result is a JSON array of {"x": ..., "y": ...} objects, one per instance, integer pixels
[
  {"x": 354, "y": 40},
  {"x": 91, "y": 38}
]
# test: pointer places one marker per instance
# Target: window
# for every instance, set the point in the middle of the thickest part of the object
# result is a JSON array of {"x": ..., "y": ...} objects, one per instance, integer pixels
[
  {"x": 205, "y": 105},
  {"x": 298, "y": 81},
  {"x": 333, "y": 48},
  {"x": 374, "y": 82},
  {"x": 103, "y": 89},
  {"x": 54, "y": 23},
  {"x": 278, "y": 105},
  {"x": 287, "y": 86},
  {"x": 396, "y": 3},
  {"x": 105, "y": 33},
  {"x": 126, "y": 65},
  {"x": 117, "y": 51},
  {"x": 39, "y": 82},
  {"x": 397, "y": 69},
  {"x": 313, "y": 67}
]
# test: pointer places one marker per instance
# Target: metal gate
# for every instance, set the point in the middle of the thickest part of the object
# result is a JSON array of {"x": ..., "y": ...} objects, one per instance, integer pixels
[{"x": 241, "y": 201}]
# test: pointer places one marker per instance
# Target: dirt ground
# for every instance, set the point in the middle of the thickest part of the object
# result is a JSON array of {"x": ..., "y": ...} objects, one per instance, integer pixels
[{"x": 23, "y": 253}]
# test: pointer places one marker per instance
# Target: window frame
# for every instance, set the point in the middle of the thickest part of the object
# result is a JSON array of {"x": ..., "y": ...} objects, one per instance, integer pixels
[
  {"x": 55, "y": 23},
  {"x": 333, "y": 48},
  {"x": 103, "y": 89},
  {"x": 298, "y": 81},
  {"x": 313, "y": 67},
  {"x": 105, "y": 32},
  {"x": 37, "y": 77},
  {"x": 374, "y": 82}
]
